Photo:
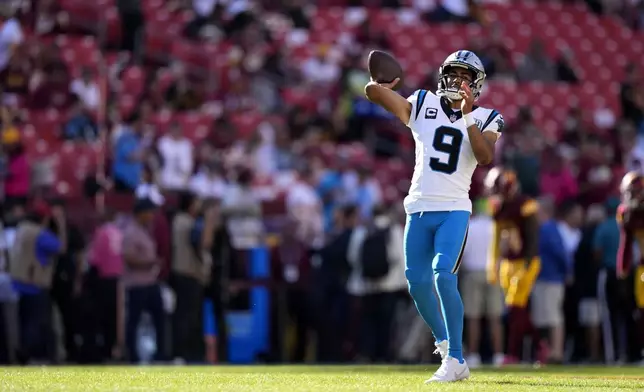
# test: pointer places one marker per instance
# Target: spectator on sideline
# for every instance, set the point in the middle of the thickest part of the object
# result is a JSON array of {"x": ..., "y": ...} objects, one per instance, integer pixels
[
  {"x": 243, "y": 212},
  {"x": 480, "y": 298},
  {"x": 217, "y": 291},
  {"x": 330, "y": 290},
  {"x": 67, "y": 280},
  {"x": 558, "y": 241},
  {"x": 106, "y": 262},
  {"x": 377, "y": 297},
  {"x": 32, "y": 269},
  {"x": 304, "y": 207},
  {"x": 189, "y": 273},
  {"x": 140, "y": 278},
  {"x": 587, "y": 264},
  {"x": 9, "y": 325},
  {"x": 614, "y": 314}
]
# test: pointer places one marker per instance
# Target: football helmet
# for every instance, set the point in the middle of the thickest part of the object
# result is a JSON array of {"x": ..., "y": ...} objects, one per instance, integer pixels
[
  {"x": 632, "y": 187},
  {"x": 501, "y": 182},
  {"x": 463, "y": 59}
]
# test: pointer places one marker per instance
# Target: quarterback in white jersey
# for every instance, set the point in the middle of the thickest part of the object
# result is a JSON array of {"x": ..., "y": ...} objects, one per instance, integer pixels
[
  {"x": 452, "y": 137},
  {"x": 445, "y": 160}
]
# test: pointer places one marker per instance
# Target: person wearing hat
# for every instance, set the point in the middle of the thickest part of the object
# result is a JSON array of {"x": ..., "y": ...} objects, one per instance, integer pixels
[
  {"x": 31, "y": 266},
  {"x": 141, "y": 277}
]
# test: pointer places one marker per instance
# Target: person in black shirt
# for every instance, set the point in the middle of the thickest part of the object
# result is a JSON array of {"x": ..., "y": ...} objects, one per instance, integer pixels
[
  {"x": 67, "y": 278},
  {"x": 219, "y": 246},
  {"x": 584, "y": 290}
]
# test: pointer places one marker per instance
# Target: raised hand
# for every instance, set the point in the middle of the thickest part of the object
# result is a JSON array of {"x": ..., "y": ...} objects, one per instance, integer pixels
[
  {"x": 467, "y": 103},
  {"x": 390, "y": 85}
]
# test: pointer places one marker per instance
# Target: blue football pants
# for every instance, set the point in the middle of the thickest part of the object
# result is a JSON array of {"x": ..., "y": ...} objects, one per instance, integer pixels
[{"x": 434, "y": 243}]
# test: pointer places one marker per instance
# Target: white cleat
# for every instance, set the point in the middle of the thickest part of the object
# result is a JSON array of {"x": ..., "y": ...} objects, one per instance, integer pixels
[
  {"x": 441, "y": 349},
  {"x": 450, "y": 371}
]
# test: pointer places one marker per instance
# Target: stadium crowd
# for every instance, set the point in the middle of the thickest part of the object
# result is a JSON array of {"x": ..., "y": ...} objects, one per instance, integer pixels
[{"x": 139, "y": 174}]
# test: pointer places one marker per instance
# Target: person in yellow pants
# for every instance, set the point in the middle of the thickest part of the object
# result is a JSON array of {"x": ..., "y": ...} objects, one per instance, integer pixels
[
  {"x": 630, "y": 217},
  {"x": 514, "y": 261}
]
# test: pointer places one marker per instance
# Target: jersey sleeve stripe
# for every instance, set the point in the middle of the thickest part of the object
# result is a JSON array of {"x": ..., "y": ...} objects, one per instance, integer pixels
[
  {"x": 490, "y": 119},
  {"x": 422, "y": 94}
]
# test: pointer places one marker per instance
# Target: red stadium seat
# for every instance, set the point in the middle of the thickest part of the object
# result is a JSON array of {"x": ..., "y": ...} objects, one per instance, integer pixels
[
  {"x": 47, "y": 124},
  {"x": 246, "y": 123},
  {"x": 75, "y": 162},
  {"x": 133, "y": 81},
  {"x": 195, "y": 125},
  {"x": 79, "y": 52},
  {"x": 161, "y": 121}
]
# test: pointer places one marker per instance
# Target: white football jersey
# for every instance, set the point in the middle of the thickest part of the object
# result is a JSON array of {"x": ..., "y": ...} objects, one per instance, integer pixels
[{"x": 445, "y": 161}]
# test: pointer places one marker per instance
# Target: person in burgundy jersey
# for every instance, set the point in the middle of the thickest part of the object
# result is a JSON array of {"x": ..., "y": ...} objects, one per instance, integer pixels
[
  {"x": 630, "y": 266},
  {"x": 514, "y": 259}
]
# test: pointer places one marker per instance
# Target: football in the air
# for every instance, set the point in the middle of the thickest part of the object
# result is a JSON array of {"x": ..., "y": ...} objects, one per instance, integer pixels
[{"x": 384, "y": 68}]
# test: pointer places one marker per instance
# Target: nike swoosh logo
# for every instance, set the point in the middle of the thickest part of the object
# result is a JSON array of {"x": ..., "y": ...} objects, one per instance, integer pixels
[{"x": 460, "y": 375}]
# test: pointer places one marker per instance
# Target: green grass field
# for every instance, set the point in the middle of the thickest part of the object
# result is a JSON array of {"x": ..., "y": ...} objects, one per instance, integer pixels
[{"x": 314, "y": 378}]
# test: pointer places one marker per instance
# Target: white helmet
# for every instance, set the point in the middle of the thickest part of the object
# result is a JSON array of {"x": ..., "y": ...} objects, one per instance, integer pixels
[{"x": 463, "y": 59}]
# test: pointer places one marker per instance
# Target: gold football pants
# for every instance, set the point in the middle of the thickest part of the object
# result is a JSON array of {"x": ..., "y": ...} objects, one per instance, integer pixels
[{"x": 517, "y": 280}]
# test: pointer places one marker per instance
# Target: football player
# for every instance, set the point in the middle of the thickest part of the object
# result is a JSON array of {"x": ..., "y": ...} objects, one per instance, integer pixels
[
  {"x": 630, "y": 217},
  {"x": 452, "y": 137},
  {"x": 514, "y": 259}
]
